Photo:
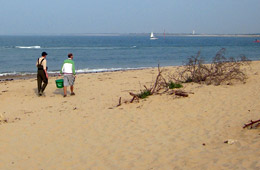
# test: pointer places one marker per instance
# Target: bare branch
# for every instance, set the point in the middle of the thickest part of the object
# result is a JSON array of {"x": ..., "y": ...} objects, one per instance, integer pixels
[
  {"x": 221, "y": 70},
  {"x": 251, "y": 123},
  {"x": 119, "y": 103}
]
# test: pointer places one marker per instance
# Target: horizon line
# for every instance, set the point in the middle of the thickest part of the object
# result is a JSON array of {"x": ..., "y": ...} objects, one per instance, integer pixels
[{"x": 144, "y": 33}]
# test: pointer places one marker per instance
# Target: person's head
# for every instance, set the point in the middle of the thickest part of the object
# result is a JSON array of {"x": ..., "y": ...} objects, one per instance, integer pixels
[
  {"x": 44, "y": 54},
  {"x": 70, "y": 55}
]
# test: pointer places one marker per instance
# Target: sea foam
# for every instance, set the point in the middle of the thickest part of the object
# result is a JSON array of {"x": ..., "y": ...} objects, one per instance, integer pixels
[{"x": 29, "y": 47}]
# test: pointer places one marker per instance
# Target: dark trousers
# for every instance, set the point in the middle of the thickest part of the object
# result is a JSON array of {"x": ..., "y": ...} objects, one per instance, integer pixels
[{"x": 41, "y": 77}]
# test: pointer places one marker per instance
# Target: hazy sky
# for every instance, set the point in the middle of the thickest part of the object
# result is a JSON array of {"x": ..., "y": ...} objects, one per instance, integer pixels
[{"x": 129, "y": 16}]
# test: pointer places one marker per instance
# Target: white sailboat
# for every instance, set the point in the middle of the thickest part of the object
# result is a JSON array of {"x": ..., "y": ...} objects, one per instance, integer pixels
[{"x": 152, "y": 37}]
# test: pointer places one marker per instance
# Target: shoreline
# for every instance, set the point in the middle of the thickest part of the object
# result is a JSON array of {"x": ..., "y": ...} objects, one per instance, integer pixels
[
  {"x": 12, "y": 77},
  {"x": 22, "y": 76}
]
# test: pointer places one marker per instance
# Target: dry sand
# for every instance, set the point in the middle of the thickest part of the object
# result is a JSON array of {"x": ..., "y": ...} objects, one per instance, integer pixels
[{"x": 87, "y": 131}]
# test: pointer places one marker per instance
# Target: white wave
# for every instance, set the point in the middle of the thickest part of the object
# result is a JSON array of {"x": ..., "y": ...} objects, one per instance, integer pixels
[
  {"x": 88, "y": 48},
  {"x": 53, "y": 72},
  {"x": 106, "y": 70},
  {"x": 29, "y": 47},
  {"x": 8, "y": 74},
  {"x": 80, "y": 71},
  {"x": 98, "y": 70},
  {"x": 16, "y": 74}
]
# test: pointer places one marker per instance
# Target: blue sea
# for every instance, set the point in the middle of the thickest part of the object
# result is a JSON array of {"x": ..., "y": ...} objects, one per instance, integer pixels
[{"x": 18, "y": 54}]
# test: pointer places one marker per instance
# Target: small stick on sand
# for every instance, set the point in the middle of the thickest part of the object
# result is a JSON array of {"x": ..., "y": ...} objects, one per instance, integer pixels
[
  {"x": 119, "y": 103},
  {"x": 251, "y": 123},
  {"x": 134, "y": 97}
]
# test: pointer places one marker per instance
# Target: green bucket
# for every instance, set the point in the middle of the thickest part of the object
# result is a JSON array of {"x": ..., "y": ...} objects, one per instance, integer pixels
[{"x": 59, "y": 83}]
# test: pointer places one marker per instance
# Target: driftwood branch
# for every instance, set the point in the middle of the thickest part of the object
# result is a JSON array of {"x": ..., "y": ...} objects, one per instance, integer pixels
[
  {"x": 181, "y": 93},
  {"x": 157, "y": 80},
  {"x": 160, "y": 86},
  {"x": 119, "y": 103},
  {"x": 134, "y": 97},
  {"x": 146, "y": 87},
  {"x": 251, "y": 123},
  {"x": 222, "y": 70}
]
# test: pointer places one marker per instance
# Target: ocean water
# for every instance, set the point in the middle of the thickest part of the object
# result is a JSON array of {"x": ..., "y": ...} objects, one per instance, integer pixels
[{"x": 18, "y": 54}]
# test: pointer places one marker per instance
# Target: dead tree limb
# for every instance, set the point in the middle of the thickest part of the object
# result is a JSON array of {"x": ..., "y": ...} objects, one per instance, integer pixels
[
  {"x": 222, "y": 70},
  {"x": 119, "y": 103},
  {"x": 181, "y": 93},
  {"x": 251, "y": 123},
  {"x": 134, "y": 97},
  {"x": 156, "y": 81},
  {"x": 160, "y": 82},
  {"x": 146, "y": 87}
]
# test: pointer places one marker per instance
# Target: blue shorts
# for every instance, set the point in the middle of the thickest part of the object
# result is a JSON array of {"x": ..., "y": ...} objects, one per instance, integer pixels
[{"x": 68, "y": 80}]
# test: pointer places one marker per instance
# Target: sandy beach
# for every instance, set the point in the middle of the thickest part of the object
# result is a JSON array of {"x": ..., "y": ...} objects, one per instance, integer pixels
[{"x": 88, "y": 131}]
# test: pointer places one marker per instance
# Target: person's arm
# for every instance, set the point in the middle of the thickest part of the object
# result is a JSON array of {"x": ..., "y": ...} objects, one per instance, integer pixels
[
  {"x": 73, "y": 69},
  {"x": 45, "y": 68},
  {"x": 46, "y": 73},
  {"x": 61, "y": 70},
  {"x": 37, "y": 62}
]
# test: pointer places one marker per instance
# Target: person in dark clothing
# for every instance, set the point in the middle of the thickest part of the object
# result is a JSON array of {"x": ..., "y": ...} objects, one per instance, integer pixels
[{"x": 42, "y": 75}]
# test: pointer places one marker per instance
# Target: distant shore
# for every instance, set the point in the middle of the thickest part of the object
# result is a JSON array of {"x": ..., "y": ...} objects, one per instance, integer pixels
[
  {"x": 144, "y": 34},
  {"x": 203, "y": 35}
]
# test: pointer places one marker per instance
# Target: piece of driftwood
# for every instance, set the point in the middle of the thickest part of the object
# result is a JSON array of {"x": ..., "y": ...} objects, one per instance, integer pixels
[
  {"x": 146, "y": 87},
  {"x": 134, "y": 97},
  {"x": 160, "y": 82},
  {"x": 119, "y": 103},
  {"x": 251, "y": 123},
  {"x": 159, "y": 85},
  {"x": 181, "y": 93},
  {"x": 222, "y": 70}
]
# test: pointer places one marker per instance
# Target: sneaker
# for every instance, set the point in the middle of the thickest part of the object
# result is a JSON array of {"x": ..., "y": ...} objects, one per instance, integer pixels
[
  {"x": 72, "y": 94},
  {"x": 64, "y": 95}
]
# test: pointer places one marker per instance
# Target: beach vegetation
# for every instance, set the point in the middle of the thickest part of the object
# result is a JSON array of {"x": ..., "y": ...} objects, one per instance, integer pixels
[
  {"x": 160, "y": 86},
  {"x": 221, "y": 70},
  {"x": 188, "y": 80},
  {"x": 144, "y": 94},
  {"x": 173, "y": 85}
]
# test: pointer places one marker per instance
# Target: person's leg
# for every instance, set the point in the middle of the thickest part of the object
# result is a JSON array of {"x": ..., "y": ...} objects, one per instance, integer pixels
[
  {"x": 71, "y": 90},
  {"x": 72, "y": 79},
  {"x": 65, "y": 91},
  {"x": 45, "y": 81},
  {"x": 39, "y": 82},
  {"x": 45, "y": 84},
  {"x": 65, "y": 84}
]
